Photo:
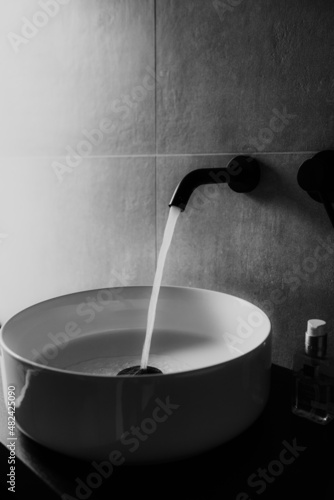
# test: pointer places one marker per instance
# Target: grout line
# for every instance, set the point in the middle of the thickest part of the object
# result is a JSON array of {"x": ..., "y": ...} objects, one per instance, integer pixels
[
  {"x": 155, "y": 134},
  {"x": 264, "y": 153},
  {"x": 160, "y": 155},
  {"x": 155, "y": 83}
]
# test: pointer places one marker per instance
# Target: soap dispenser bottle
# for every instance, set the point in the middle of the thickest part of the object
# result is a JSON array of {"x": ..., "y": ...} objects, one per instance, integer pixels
[{"x": 313, "y": 381}]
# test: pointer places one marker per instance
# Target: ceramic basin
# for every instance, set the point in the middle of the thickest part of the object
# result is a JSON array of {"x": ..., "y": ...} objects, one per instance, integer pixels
[{"x": 63, "y": 355}]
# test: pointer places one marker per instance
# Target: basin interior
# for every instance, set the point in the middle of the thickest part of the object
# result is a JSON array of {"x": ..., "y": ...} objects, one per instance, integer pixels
[{"x": 101, "y": 333}]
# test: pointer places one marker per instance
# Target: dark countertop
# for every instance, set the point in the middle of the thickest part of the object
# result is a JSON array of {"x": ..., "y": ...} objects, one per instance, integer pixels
[{"x": 220, "y": 474}]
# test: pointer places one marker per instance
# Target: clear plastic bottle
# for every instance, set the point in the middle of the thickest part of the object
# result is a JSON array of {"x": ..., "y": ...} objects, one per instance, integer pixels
[{"x": 313, "y": 387}]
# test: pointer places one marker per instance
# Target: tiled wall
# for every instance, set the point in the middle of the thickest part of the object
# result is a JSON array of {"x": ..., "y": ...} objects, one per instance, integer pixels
[
  {"x": 166, "y": 86},
  {"x": 77, "y": 137}
]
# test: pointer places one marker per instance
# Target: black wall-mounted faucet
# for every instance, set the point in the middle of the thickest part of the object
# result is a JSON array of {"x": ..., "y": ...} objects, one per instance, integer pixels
[
  {"x": 242, "y": 174},
  {"x": 316, "y": 177}
]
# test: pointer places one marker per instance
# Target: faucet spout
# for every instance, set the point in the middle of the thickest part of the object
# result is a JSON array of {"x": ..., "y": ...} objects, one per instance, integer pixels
[{"x": 242, "y": 174}]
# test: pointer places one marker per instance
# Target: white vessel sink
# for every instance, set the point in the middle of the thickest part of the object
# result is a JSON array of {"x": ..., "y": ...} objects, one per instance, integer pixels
[{"x": 63, "y": 355}]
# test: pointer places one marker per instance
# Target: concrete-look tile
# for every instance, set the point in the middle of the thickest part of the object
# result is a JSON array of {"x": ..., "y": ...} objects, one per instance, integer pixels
[
  {"x": 94, "y": 229},
  {"x": 268, "y": 246},
  {"x": 77, "y": 75},
  {"x": 231, "y": 72}
]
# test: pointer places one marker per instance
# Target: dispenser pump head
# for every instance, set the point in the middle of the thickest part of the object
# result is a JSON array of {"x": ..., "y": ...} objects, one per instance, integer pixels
[{"x": 316, "y": 338}]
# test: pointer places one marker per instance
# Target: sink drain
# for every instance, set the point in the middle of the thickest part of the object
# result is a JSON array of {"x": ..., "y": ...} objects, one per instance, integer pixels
[{"x": 136, "y": 370}]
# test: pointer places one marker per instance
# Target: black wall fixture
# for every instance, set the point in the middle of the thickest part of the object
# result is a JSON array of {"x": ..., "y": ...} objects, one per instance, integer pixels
[
  {"x": 242, "y": 175},
  {"x": 316, "y": 177}
]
